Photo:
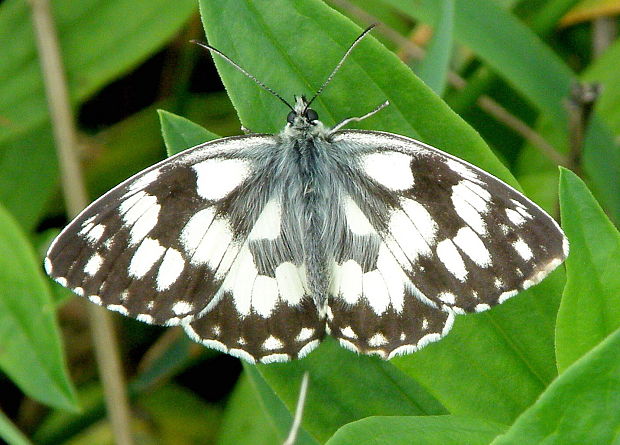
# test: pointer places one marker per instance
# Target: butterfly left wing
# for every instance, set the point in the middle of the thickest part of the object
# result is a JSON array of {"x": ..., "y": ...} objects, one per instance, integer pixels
[
  {"x": 195, "y": 240},
  {"x": 439, "y": 236}
]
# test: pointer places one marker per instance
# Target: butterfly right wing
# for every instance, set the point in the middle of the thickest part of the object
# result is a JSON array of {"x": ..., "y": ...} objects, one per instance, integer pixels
[{"x": 435, "y": 236}]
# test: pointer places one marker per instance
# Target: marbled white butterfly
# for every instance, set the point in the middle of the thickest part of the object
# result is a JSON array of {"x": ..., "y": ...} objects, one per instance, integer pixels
[{"x": 260, "y": 245}]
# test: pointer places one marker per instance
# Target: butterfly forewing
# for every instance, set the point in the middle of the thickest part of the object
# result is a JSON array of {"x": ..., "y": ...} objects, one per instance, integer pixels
[
  {"x": 159, "y": 245},
  {"x": 441, "y": 237}
]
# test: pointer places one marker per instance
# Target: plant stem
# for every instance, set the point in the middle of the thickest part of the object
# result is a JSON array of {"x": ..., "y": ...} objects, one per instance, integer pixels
[{"x": 74, "y": 190}]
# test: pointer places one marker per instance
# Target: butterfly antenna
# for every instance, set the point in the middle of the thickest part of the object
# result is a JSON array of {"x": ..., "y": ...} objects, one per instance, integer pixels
[
  {"x": 346, "y": 54},
  {"x": 239, "y": 68}
]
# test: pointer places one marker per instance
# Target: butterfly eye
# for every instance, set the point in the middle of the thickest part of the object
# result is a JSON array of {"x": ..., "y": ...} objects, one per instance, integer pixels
[
  {"x": 291, "y": 117},
  {"x": 311, "y": 114}
]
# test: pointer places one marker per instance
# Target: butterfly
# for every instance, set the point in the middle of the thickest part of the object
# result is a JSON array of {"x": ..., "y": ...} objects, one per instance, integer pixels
[{"x": 261, "y": 245}]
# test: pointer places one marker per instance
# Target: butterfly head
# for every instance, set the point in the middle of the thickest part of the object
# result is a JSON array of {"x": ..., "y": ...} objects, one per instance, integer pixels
[
  {"x": 302, "y": 116},
  {"x": 303, "y": 121}
]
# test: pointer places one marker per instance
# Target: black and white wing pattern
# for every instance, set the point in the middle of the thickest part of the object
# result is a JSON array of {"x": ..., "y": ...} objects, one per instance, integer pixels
[
  {"x": 428, "y": 236},
  {"x": 196, "y": 241}
]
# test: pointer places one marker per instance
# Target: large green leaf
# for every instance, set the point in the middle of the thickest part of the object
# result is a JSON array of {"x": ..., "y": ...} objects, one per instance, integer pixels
[
  {"x": 245, "y": 420},
  {"x": 30, "y": 343},
  {"x": 430, "y": 430},
  {"x": 590, "y": 308},
  {"x": 100, "y": 39},
  {"x": 512, "y": 346},
  {"x": 495, "y": 364},
  {"x": 304, "y": 40},
  {"x": 581, "y": 407}
]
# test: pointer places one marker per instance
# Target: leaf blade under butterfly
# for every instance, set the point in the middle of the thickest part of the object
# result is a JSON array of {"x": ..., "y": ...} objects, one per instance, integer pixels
[
  {"x": 303, "y": 64},
  {"x": 427, "y": 430},
  {"x": 580, "y": 406}
]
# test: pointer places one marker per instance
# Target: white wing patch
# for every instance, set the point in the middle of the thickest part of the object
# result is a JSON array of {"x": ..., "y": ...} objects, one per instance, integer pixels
[
  {"x": 390, "y": 169},
  {"x": 393, "y": 276},
  {"x": 217, "y": 177},
  {"x": 170, "y": 269},
  {"x": 407, "y": 237},
  {"x": 214, "y": 244},
  {"x": 140, "y": 212},
  {"x": 92, "y": 232},
  {"x": 471, "y": 244},
  {"x": 349, "y": 279},
  {"x": 290, "y": 283},
  {"x": 462, "y": 170},
  {"x": 375, "y": 291},
  {"x": 268, "y": 224},
  {"x": 357, "y": 221},
  {"x": 523, "y": 249},
  {"x": 451, "y": 258},
  {"x": 93, "y": 264},
  {"x": 264, "y": 295},
  {"x": 145, "y": 257}
]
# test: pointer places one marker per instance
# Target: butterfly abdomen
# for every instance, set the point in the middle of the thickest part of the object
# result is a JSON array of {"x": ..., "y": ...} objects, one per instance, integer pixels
[{"x": 313, "y": 200}]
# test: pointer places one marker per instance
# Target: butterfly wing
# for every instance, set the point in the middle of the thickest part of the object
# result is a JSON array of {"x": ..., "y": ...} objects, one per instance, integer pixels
[
  {"x": 178, "y": 241},
  {"x": 441, "y": 237}
]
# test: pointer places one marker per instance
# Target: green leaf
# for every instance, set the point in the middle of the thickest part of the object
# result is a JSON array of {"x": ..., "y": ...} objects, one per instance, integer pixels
[
  {"x": 495, "y": 364},
  {"x": 245, "y": 420},
  {"x": 30, "y": 343},
  {"x": 581, "y": 407},
  {"x": 100, "y": 40},
  {"x": 431, "y": 430},
  {"x": 512, "y": 347},
  {"x": 344, "y": 387},
  {"x": 433, "y": 69},
  {"x": 180, "y": 133},
  {"x": 590, "y": 308},
  {"x": 279, "y": 416},
  {"x": 253, "y": 35},
  {"x": 10, "y": 433}
]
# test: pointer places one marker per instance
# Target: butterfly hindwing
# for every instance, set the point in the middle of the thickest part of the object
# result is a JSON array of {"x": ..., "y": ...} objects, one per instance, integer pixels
[
  {"x": 263, "y": 311},
  {"x": 374, "y": 308}
]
